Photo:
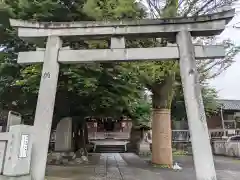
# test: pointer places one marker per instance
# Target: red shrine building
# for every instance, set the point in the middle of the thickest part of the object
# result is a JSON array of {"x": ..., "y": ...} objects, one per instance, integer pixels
[{"x": 108, "y": 128}]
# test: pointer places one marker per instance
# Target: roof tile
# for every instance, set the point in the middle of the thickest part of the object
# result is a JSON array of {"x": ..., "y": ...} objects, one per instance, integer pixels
[{"x": 229, "y": 104}]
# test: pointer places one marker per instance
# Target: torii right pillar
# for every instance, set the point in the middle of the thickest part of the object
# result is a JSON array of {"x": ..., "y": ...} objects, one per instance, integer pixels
[{"x": 202, "y": 152}]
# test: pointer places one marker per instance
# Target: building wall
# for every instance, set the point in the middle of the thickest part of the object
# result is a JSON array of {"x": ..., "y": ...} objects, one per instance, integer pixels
[
  {"x": 123, "y": 126},
  {"x": 214, "y": 122}
]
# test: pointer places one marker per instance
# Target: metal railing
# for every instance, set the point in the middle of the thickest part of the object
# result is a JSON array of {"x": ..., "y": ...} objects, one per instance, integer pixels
[
  {"x": 108, "y": 135},
  {"x": 219, "y": 133},
  {"x": 177, "y": 135},
  {"x": 180, "y": 136},
  {"x": 184, "y": 135}
]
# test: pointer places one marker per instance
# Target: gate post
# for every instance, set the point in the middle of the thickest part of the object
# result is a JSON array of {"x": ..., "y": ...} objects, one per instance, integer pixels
[
  {"x": 45, "y": 108},
  {"x": 202, "y": 153}
]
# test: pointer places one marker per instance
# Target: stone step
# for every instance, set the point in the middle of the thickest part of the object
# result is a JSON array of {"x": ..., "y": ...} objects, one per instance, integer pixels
[{"x": 110, "y": 149}]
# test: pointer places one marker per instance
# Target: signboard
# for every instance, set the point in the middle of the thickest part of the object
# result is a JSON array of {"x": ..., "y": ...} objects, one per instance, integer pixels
[
  {"x": 231, "y": 131},
  {"x": 24, "y": 146}
]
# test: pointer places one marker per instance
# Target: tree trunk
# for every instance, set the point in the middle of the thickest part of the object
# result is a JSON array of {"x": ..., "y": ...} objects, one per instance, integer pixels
[
  {"x": 82, "y": 142},
  {"x": 76, "y": 138},
  {"x": 79, "y": 135},
  {"x": 86, "y": 133},
  {"x": 134, "y": 140},
  {"x": 161, "y": 123},
  {"x": 161, "y": 137}
]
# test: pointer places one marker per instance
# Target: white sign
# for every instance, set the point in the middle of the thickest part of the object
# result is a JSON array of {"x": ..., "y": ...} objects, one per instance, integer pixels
[
  {"x": 231, "y": 131},
  {"x": 24, "y": 146}
]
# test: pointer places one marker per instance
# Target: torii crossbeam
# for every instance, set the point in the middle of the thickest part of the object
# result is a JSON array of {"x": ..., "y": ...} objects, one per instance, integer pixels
[
  {"x": 181, "y": 29},
  {"x": 68, "y": 56}
]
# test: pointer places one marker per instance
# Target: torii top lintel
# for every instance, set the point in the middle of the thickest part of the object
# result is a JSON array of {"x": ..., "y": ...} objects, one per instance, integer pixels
[{"x": 206, "y": 25}]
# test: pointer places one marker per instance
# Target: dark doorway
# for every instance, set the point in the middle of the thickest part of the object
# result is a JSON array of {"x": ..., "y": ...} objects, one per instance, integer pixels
[{"x": 109, "y": 125}]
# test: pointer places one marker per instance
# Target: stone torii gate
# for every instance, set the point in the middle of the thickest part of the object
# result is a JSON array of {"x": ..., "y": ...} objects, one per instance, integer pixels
[{"x": 181, "y": 29}]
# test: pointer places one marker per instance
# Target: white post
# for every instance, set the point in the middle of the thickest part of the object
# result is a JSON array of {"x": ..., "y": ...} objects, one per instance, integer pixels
[
  {"x": 223, "y": 124},
  {"x": 45, "y": 107},
  {"x": 202, "y": 152}
]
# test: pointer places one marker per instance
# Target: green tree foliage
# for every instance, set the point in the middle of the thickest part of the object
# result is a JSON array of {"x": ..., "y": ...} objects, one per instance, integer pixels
[
  {"x": 172, "y": 8},
  {"x": 208, "y": 68},
  {"x": 85, "y": 89},
  {"x": 112, "y": 9},
  {"x": 96, "y": 89},
  {"x": 47, "y": 10},
  {"x": 140, "y": 110},
  {"x": 178, "y": 104}
]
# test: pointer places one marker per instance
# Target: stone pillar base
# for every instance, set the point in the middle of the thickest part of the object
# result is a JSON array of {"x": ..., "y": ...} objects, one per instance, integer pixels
[{"x": 28, "y": 177}]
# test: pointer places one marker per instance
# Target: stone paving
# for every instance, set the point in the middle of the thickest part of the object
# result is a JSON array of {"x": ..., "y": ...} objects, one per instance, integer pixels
[
  {"x": 130, "y": 167},
  {"x": 107, "y": 167},
  {"x": 226, "y": 168}
]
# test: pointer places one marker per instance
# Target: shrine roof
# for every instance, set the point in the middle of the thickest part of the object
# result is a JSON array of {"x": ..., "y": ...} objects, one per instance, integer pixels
[{"x": 229, "y": 104}]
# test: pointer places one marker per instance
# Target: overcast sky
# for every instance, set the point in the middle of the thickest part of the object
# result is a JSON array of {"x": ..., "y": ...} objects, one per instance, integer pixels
[{"x": 228, "y": 83}]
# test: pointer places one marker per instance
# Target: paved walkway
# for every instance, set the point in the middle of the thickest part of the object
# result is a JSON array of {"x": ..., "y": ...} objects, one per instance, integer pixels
[
  {"x": 131, "y": 167},
  {"x": 107, "y": 167}
]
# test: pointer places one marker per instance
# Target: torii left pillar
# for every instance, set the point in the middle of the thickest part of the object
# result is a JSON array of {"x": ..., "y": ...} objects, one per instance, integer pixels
[{"x": 45, "y": 107}]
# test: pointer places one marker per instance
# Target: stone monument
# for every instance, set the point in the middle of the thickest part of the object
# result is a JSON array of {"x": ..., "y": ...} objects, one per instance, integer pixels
[{"x": 64, "y": 135}]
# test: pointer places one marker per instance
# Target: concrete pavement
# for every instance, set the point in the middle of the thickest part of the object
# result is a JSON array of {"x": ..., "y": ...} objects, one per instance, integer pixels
[{"x": 128, "y": 166}]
